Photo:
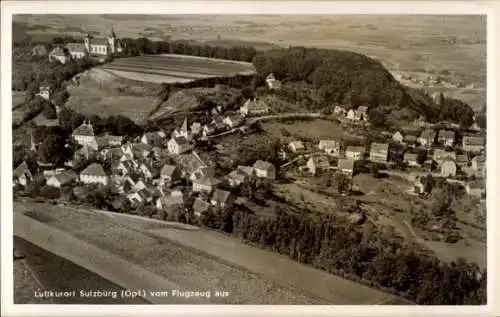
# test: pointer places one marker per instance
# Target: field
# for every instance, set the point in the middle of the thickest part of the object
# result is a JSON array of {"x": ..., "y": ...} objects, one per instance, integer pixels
[
  {"x": 199, "y": 259},
  {"x": 409, "y": 43},
  {"x": 171, "y": 68}
]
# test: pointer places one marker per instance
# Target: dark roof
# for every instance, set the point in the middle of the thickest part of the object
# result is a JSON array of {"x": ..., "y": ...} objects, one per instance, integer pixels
[
  {"x": 462, "y": 158},
  {"x": 142, "y": 147},
  {"x": 345, "y": 164},
  {"x": 181, "y": 140},
  {"x": 94, "y": 169},
  {"x": 200, "y": 206},
  {"x": 428, "y": 134},
  {"x": 248, "y": 170},
  {"x": 21, "y": 169},
  {"x": 410, "y": 138},
  {"x": 210, "y": 181},
  {"x": 478, "y": 183},
  {"x": 220, "y": 196},
  {"x": 447, "y": 134},
  {"x": 473, "y": 140},
  {"x": 66, "y": 177},
  {"x": 102, "y": 141},
  {"x": 237, "y": 174},
  {"x": 85, "y": 129},
  {"x": 261, "y": 165},
  {"x": 168, "y": 169}
]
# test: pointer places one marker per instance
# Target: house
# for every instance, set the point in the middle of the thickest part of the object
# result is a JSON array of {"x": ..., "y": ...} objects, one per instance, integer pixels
[
  {"x": 169, "y": 202},
  {"x": 221, "y": 198},
  {"x": 411, "y": 159},
  {"x": 476, "y": 188},
  {"x": 209, "y": 129},
  {"x": 473, "y": 144},
  {"x": 475, "y": 127},
  {"x": 264, "y": 169},
  {"x": 479, "y": 165},
  {"x": 22, "y": 174},
  {"x": 141, "y": 150},
  {"x": 448, "y": 168},
  {"x": 427, "y": 137},
  {"x": 39, "y": 50},
  {"x": 361, "y": 113},
  {"x": 203, "y": 171},
  {"x": 330, "y": 147},
  {"x": 49, "y": 173},
  {"x": 351, "y": 114},
  {"x": 195, "y": 128},
  {"x": 272, "y": 82},
  {"x": 318, "y": 164},
  {"x": 123, "y": 167},
  {"x": 439, "y": 155},
  {"x": 139, "y": 197},
  {"x": 462, "y": 160},
  {"x": 45, "y": 90},
  {"x": 355, "y": 152},
  {"x": 418, "y": 186},
  {"x": 254, "y": 106},
  {"x": 149, "y": 171},
  {"x": 102, "y": 142},
  {"x": 205, "y": 184},
  {"x": 379, "y": 152},
  {"x": 178, "y": 145},
  {"x": 398, "y": 137},
  {"x": 233, "y": 121},
  {"x": 114, "y": 140},
  {"x": 94, "y": 174},
  {"x": 247, "y": 170},
  {"x": 183, "y": 131},
  {"x": 296, "y": 146},
  {"x": 339, "y": 110},
  {"x": 446, "y": 137},
  {"x": 112, "y": 154},
  {"x": 96, "y": 46},
  {"x": 410, "y": 139},
  {"x": 237, "y": 178},
  {"x": 346, "y": 166},
  {"x": 62, "y": 179},
  {"x": 170, "y": 174},
  {"x": 200, "y": 207},
  {"x": 219, "y": 124},
  {"x": 60, "y": 55},
  {"x": 153, "y": 138},
  {"x": 84, "y": 135}
]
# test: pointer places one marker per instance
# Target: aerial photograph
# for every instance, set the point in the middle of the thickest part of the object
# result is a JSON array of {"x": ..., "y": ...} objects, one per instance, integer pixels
[{"x": 335, "y": 159}]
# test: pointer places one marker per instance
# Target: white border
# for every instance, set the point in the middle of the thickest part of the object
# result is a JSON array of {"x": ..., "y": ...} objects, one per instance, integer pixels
[{"x": 241, "y": 7}]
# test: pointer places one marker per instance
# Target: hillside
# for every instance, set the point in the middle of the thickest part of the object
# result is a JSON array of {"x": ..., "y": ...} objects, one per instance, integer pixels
[{"x": 342, "y": 77}]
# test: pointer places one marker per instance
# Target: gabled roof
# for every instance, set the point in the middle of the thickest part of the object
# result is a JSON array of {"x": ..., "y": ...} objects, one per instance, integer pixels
[
  {"x": 59, "y": 51},
  {"x": 95, "y": 169},
  {"x": 208, "y": 181},
  {"x": 255, "y": 104},
  {"x": 346, "y": 164},
  {"x": 85, "y": 129},
  {"x": 447, "y": 134},
  {"x": 296, "y": 144},
  {"x": 200, "y": 206},
  {"x": 379, "y": 147},
  {"x": 329, "y": 143},
  {"x": 65, "y": 177},
  {"x": 320, "y": 161},
  {"x": 410, "y": 156},
  {"x": 410, "y": 138},
  {"x": 234, "y": 118},
  {"x": 21, "y": 169},
  {"x": 181, "y": 140},
  {"x": 479, "y": 159},
  {"x": 262, "y": 165},
  {"x": 172, "y": 200},
  {"x": 362, "y": 109},
  {"x": 102, "y": 141},
  {"x": 220, "y": 196},
  {"x": 428, "y": 134},
  {"x": 248, "y": 170},
  {"x": 473, "y": 140},
  {"x": 168, "y": 170},
  {"x": 441, "y": 154},
  {"x": 115, "y": 138},
  {"x": 76, "y": 47},
  {"x": 142, "y": 147},
  {"x": 355, "y": 149},
  {"x": 99, "y": 41},
  {"x": 462, "y": 158},
  {"x": 237, "y": 174},
  {"x": 270, "y": 77},
  {"x": 478, "y": 183}
]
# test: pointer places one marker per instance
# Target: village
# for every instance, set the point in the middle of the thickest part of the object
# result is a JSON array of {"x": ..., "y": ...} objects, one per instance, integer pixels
[{"x": 168, "y": 172}]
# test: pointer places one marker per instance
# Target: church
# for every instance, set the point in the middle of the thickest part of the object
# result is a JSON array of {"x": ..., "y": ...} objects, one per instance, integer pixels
[{"x": 96, "y": 47}]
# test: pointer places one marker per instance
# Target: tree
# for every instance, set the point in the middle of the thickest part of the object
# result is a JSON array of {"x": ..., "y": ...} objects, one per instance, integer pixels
[
  {"x": 377, "y": 117},
  {"x": 51, "y": 148},
  {"x": 441, "y": 203},
  {"x": 341, "y": 182}
]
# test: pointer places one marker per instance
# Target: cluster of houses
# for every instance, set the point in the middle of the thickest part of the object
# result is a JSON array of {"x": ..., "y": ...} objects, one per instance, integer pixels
[
  {"x": 359, "y": 114},
  {"x": 154, "y": 169}
]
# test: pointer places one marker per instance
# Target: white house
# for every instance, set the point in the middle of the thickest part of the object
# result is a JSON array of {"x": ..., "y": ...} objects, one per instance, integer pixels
[
  {"x": 178, "y": 145},
  {"x": 330, "y": 147},
  {"x": 379, "y": 152},
  {"x": 62, "y": 179},
  {"x": 264, "y": 170},
  {"x": 447, "y": 138},
  {"x": 296, "y": 146},
  {"x": 233, "y": 121},
  {"x": 22, "y": 174},
  {"x": 84, "y": 135},
  {"x": 346, "y": 166},
  {"x": 354, "y": 152},
  {"x": 94, "y": 174},
  {"x": 254, "y": 107},
  {"x": 397, "y": 137},
  {"x": 153, "y": 138},
  {"x": 448, "y": 168},
  {"x": 205, "y": 184},
  {"x": 318, "y": 164},
  {"x": 272, "y": 82},
  {"x": 221, "y": 198}
]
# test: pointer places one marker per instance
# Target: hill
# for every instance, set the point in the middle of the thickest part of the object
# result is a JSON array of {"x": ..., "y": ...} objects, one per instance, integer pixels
[{"x": 343, "y": 77}]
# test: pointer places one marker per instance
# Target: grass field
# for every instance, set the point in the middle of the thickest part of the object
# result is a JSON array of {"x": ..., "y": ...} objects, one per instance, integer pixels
[
  {"x": 175, "y": 68},
  {"x": 199, "y": 259}
]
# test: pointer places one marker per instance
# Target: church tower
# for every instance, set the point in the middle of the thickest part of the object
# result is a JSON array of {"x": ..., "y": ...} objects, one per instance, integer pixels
[
  {"x": 112, "y": 41},
  {"x": 86, "y": 40}
]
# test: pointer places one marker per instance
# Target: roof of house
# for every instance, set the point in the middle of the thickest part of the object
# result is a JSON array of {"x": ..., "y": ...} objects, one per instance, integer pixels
[
  {"x": 200, "y": 206},
  {"x": 261, "y": 165},
  {"x": 58, "y": 51},
  {"x": 248, "y": 170},
  {"x": 362, "y": 109},
  {"x": 168, "y": 169},
  {"x": 397, "y": 133},
  {"x": 208, "y": 181},
  {"x": 447, "y": 134},
  {"x": 237, "y": 174},
  {"x": 181, "y": 140},
  {"x": 345, "y": 164},
  {"x": 379, "y": 147},
  {"x": 42, "y": 120},
  {"x": 479, "y": 159},
  {"x": 21, "y": 169},
  {"x": 329, "y": 143},
  {"x": 473, "y": 140},
  {"x": 220, "y": 196},
  {"x": 270, "y": 76},
  {"x": 66, "y": 177},
  {"x": 255, "y": 104},
  {"x": 102, "y": 141},
  {"x": 152, "y": 169},
  {"x": 115, "y": 138},
  {"x": 99, "y": 41},
  {"x": 440, "y": 153},
  {"x": 95, "y": 169},
  {"x": 172, "y": 200},
  {"x": 85, "y": 129},
  {"x": 428, "y": 134},
  {"x": 410, "y": 138},
  {"x": 320, "y": 161},
  {"x": 356, "y": 149},
  {"x": 234, "y": 118},
  {"x": 296, "y": 144},
  {"x": 410, "y": 156},
  {"x": 478, "y": 183},
  {"x": 142, "y": 147},
  {"x": 116, "y": 152},
  {"x": 462, "y": 158},
  {"x": 76, "y": 47}
]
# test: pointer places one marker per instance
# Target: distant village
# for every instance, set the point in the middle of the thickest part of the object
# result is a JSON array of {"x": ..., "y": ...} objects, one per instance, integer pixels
[{"x": 166, "y": 171}]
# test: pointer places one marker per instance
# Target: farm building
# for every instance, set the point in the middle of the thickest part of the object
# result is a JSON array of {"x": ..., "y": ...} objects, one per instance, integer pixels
[
  {"x": 272, "y": 82},
  {"x": 346, "y": 166},
  {"x": 439, "y": 155},
  {"x": 355, "y": 152},
  {"x": 264, "y": 170},
  {"x": 427, "y": 137},
  {"x": 446, "y": 138},
  {"x": 94, "y": 174},
  {"x": 233, "y": 121},
  {"x": 318, "y": 164},
  {"x": 39, "y": 50},
  {"x": 398, "y": 137},
  {"x": 473, "y": 144},
  {"x": 60, "y": 55},
  {"x": 296, "y": 146},
  {"x": 221, "y": 198},
  {"x": 22, "y": 174},
  {"x": 330, "y": 147},
  {"x": 62, "y": 179},
  {"x": 379, "y": 152},
  {"x": 448, "y": 168},
  {"x": 84, "y": 135},
  {"x": 254, "y": 106}
]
